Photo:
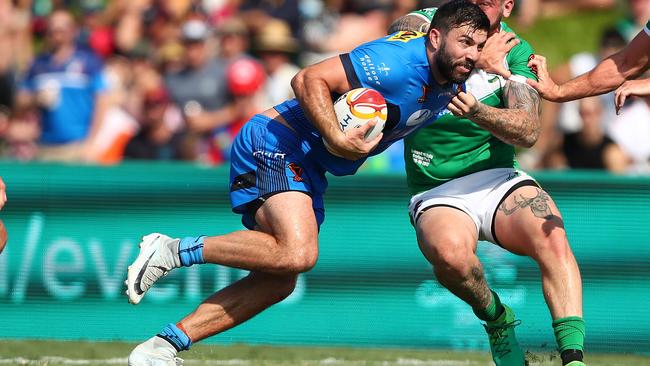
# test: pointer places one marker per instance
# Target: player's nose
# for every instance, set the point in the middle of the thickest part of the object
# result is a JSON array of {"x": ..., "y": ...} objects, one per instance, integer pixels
[{"x": 472, "y": 54}]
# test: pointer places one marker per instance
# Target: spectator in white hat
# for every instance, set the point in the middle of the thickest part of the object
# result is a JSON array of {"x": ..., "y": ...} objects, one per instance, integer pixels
[{"x": 199, "y": 88}]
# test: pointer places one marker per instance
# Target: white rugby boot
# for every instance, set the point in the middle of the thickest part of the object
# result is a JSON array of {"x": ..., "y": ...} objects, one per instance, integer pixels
[
  {"x": 158, "y": 255},
  {"x": 155, "y": 351}
]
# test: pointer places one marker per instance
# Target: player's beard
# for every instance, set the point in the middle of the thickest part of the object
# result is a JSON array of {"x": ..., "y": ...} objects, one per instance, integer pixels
[{"x": 447, "y": 66}]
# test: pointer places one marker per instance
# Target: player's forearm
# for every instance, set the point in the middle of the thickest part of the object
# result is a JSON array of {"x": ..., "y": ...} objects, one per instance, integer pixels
[
  {"x": 513, "y": 126},
  {"x": 604, "y": 78},
  {"x": 313, "y": 94},
  {"x": 608, "y": 75}
]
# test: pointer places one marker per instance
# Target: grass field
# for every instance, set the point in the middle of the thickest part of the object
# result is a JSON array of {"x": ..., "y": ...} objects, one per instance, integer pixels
[{"x": 49, "y": 353}]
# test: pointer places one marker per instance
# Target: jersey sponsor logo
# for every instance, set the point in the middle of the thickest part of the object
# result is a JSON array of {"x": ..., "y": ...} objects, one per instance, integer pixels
[
  {"x": 421, "y": 158},
  {"x": 370, "y": 69},
  {"x": 297, "y": 172},
  {"x": 513, "y": 175},
  {"x": 419, "y": 116},
  {"x": 405, "y": 36},
  {"x": 267, "y": 154},
  {"x": 383, "y": 68},
  {"x": 494, "y": 79}
]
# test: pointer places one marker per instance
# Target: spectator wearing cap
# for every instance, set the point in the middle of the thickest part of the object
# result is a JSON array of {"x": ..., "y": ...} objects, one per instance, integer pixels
[
  {"x": 199, "y": 88},
  {"x": 67, "y": 85},
  {"x": 246, "y": 78},
  {"x": 275, "y": 46},
  {"x": 233, "y": 39},
  {"x": 94, "y": 31}
]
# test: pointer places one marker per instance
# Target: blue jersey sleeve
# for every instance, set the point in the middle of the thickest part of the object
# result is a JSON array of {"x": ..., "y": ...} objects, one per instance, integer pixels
[{"x": 374, "y": 65}]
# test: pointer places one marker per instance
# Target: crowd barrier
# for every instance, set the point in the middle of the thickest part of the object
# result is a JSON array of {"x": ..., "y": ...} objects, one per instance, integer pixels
[{"x": 74, "y": 229}]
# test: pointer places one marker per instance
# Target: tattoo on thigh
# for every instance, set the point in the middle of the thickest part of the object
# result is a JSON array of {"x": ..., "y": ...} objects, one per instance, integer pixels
[{"x": 538, "y": 204}]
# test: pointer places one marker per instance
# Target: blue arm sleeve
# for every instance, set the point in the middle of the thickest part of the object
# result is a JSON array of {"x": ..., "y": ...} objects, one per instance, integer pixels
[{"x": 374, "y": 65}]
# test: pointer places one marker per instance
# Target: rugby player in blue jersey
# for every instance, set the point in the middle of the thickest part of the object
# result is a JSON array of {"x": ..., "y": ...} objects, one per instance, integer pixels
[{"x": 278, "y": 171}]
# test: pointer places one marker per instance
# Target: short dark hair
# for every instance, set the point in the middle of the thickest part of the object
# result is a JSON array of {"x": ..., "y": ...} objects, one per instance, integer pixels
[{"x": 458, "y": 13}]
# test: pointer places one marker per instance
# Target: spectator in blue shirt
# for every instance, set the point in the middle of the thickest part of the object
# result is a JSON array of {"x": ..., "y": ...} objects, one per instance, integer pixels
[{"x": 67, "y": 85}]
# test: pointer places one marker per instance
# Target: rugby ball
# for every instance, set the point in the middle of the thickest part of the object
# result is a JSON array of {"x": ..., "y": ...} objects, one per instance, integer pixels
[{"x": 359, "y": 106}]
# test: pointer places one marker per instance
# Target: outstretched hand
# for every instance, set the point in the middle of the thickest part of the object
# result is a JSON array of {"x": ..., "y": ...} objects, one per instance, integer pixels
[
  {"x": 631, "y": 88},
  {"x": 546, "y": 87}
]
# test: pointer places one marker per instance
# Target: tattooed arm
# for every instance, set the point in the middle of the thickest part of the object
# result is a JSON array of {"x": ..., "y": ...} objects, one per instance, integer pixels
[{"x": 518, "y": 124}]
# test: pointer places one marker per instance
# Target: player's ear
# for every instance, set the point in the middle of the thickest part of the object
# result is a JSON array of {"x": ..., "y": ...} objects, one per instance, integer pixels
[
  {"x": 507, "y": 7},
  {"x": 435, "y": 37}
]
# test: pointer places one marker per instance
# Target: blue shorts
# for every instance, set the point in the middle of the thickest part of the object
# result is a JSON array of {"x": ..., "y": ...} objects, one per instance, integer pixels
[{"x": 268, "y": 158}]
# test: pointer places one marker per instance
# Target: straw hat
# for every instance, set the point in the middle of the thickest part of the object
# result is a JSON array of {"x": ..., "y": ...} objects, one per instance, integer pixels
[
  {"x": 276, "y": 36},
  {"x": 233, "y": 26}
]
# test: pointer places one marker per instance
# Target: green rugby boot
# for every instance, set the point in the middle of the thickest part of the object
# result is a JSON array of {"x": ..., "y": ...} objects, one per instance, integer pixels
[{"x": 503, "y": 344}]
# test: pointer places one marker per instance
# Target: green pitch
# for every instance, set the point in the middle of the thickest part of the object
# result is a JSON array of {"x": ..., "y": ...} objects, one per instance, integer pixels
[{"x": 101, "y": 353}]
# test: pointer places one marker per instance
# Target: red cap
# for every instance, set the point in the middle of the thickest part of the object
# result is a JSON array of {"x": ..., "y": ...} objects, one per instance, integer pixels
[
  {"x": 101, "y": 40},
  {"x": 245, "y": 76}
]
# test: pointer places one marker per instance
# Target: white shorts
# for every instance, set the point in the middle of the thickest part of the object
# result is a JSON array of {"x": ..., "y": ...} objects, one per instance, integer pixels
[{"x": 478, "y": 195}]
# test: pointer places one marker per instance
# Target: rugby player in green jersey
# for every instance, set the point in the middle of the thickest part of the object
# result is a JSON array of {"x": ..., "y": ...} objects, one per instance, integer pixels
[
  {"x": 609, "y": 74},
  {"x": 466, "y": 185}
]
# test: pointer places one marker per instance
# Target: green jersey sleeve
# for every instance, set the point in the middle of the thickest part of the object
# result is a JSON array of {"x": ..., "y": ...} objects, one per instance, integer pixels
[
  {"x": 426, "y": 13},
  {"x": 647, "y": 27},
  {"x": 519, "y": 56}
]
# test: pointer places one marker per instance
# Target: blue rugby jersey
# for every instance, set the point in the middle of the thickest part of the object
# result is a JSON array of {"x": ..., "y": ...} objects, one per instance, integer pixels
[
  {"x": 74, "y": 84},
  {"x": 398, "y": 68}
]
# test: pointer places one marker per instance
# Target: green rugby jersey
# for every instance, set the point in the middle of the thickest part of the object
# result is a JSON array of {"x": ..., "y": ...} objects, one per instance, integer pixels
[
  {"x": 647, "y": 27},
  {"x": 452, "y": 147}
]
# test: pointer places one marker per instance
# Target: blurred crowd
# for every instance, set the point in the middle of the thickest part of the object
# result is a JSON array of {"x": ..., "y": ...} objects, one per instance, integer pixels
[{"x": 103, "y": 81}]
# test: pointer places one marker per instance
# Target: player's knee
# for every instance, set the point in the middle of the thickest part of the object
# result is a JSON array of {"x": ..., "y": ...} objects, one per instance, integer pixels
[
  {"x": 301, "y": 256},
  {"x": 303, "y": 260},
  {"x": 451, "y": 259},
  {"x": 553, "y": 247}
]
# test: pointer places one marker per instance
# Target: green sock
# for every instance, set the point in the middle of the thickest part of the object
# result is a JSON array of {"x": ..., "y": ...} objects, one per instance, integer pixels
[
  {"x": 569, "y": 333},
  {"x": 493, "y": 311}
]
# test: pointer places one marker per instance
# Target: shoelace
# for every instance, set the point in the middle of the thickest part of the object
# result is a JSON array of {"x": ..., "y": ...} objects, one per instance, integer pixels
[{"x": 499, "y": 338}]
